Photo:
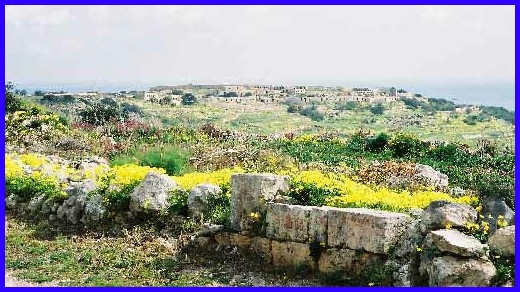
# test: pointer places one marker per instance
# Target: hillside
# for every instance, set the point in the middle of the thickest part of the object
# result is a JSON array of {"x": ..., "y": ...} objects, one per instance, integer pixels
[{"x": 75, "y": 167}]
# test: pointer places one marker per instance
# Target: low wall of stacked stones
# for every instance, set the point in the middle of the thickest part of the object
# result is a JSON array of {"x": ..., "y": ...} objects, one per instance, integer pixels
[{"x": 350, "y": 241}]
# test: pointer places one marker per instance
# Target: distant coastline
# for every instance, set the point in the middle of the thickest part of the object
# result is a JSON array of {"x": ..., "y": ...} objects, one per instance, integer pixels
[{"x": 474, "y": 94}]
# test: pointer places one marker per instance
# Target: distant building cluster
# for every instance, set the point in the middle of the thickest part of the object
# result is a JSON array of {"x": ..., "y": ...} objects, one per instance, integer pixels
[{"x": 253, "y": 93}]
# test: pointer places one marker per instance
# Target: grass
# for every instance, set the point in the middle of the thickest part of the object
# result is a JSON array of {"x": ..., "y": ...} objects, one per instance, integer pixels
[{"x": 39, "y": 255}]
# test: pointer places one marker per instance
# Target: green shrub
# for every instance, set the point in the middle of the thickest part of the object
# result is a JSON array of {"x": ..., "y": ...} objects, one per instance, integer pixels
[
  {"x": 308, "y": 194},
  {"x": 27, "y": 187},
  {"x": 12, "y": 102},
  {"x": 99, "y": 114},
  {"x": 171, "y": 159},
  {"x": 313, "y": 113},
  {"x": 346, "y": 106},
  {"x": 406, "y": 145},
  {"x": 378, "y": 143},
  {"x": 178, "y": 200},
  {"x": 219, "y": 209},
  {"x": 377, "y": 109}
]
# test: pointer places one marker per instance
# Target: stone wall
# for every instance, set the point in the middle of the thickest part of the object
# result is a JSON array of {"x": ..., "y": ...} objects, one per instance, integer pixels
[{"x": 347, "y": 241}]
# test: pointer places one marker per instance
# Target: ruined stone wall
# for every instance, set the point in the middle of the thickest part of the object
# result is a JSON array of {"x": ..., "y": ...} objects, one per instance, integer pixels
[{"x": 349, "y": 241}]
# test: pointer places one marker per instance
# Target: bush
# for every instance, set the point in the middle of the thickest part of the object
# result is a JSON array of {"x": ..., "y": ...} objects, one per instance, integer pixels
[
  {"x": 178, "y": 200},
  {"x": 346, "y": 106},
  {"x": 99, "y": 114},
  {"x": 312, "y": 113},
  {"x": 308, "y": 194},
  {"x": 231, "y": 94},
  {"x": 406, "y": 145},
  {"x": 378, "y": 143},
  {"x": 294, "y": 108},
  {"x": 188, "y": 99},
  {"x": 12, "y": 103},
  {"x": 168, "y": 158},
  {"x": 28, "y": 186},
  {"x": 377, "y": 109}
]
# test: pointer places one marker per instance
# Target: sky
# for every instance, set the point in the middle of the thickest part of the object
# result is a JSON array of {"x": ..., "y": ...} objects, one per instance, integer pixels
[{"x": 292, "y": 45}]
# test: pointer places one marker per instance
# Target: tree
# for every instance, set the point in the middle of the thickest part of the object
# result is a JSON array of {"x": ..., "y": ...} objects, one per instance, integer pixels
[
  {"x": 39, "y": 93},
  {"x": 377, "y": 109},
  {"x": 99, "y": 114},
  {"x": 230, "y": 94},
  {"x": 12, "y": 103},
  {"x": 393, "y": 91},
  {"x": 248, "y": 94},
  {"x": 188, "y": 99},
  {"x": 401, "y": 91}
]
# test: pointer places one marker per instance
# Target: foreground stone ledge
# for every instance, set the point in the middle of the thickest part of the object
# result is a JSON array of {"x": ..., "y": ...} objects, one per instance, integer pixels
[
  {"x": 348, "y": 262},
  {"x": 365, "y": 229},
  {"x": 291, "y": 254}
]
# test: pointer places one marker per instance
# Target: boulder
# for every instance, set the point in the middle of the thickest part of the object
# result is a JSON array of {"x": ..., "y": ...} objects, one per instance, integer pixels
[
  {"x": 36, "y": 203},
  {"x": 441, "y": 213},
  {"x": 11, "y": 201},
  {"x": 430, "y": 176},
  {"x": 455, "y": 242},
  {"x": 152, "y": 193},
  {"x": 198, "y": 198},
  {"x": 250, "y": 193},
  {"x": 451, "y": 271},
  {"x": 503, "y": 241},
  {"x": 72, "y": 208},
  {"x": 94, "y": 209},
  {"x": 365, "y": 229},
  {"x": 492, "y": 208}
]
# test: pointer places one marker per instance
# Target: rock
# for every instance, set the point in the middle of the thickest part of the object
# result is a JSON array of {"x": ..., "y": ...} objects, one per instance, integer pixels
[
  {"x": 411, "y": 239},
  {"x": 98, "y": 160},
  {"x": 287, "y": 222},
  {"x": 222, "y": 239},
  {"x": 80, "y": 188},
  {"x": 210, "y": 229},
  {"x": 291, "y": 254},
  {"x": 257, "y": 281},
  {"x": 450, "y": 271},
  {"x": 503, "y": 241},
  {"x": 152, "y": 193},
  {"x": 36, "y": 203},
  {"x": 250, "y": 193},
  {"x": 238, "y": 240},
  {"x": 492, "y": 208},
  {"x": 365, "y": 229},
  {"x": 430, "y": 176},
  {"x": 347, "y": 262},
  {"x": 72, "y": 208},
  {"x": 318, "y": 221},
  {"x": 457, "y": 192},
  {"x": 262, "y": 247},
  {"x": 440, "y": 213},
  {"x": 69, "y": 143},
  {"x": 198, "y": 198},
  {"x": 94, "y": 209},
  {"x": 405, "y": 273},
  {"x": 203, "y": 242},
  {"x": 11, "y": 201},
  {"x": 453, "y": 241}
]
